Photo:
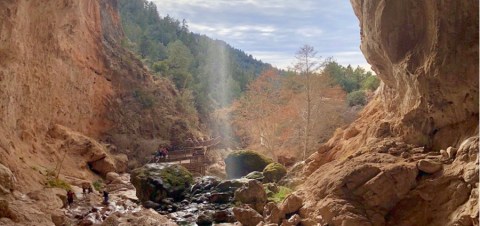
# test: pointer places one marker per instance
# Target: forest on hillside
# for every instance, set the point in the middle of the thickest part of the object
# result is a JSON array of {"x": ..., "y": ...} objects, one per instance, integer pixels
[{"x": 209, "y": 72}]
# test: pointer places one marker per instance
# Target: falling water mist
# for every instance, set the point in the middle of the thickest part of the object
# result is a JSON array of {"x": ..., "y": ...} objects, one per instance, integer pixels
[{"x": 220, "y": 91}]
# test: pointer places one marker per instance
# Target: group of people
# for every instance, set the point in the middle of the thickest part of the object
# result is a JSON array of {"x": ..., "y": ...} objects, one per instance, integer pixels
[
  {"x": 86, "y": 190},
  {"x": 161, "y": 153}
]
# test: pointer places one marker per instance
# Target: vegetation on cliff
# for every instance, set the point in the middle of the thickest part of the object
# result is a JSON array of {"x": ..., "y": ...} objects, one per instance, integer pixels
[{"x": 196, "y": 63}]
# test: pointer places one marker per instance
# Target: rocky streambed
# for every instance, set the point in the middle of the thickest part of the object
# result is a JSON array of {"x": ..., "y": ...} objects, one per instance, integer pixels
[{"x": 172, "y": 191}]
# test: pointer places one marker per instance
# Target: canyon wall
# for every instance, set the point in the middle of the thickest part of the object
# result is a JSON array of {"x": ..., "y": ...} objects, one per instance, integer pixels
[
  {"x": 412, "y": 156},
  {"x": 63, "y": 68}
]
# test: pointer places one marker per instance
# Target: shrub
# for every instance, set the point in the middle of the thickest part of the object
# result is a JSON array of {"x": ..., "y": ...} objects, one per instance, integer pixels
[
  {"x": 145, "y": 99},
  {"x": 356, "y": 98},
  {"x": 98, "y": 185},
  {"x": 58, "y": 183},
  {"x": 371, "y": 83},
  {"x": 279, "y": 195}
]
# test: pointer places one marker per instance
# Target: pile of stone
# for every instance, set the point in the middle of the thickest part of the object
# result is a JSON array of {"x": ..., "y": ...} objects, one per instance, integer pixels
[{"x": 256, "y": 210}]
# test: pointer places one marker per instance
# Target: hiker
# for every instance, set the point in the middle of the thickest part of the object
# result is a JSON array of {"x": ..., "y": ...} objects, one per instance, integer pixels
[
  {"x": 159, "y": 153},
  {"x": 165, "y": 152},
  {"x": 70, "y": 197},
  {"x": 105, "y": 197},
  {"x": 86, "y": 187}
]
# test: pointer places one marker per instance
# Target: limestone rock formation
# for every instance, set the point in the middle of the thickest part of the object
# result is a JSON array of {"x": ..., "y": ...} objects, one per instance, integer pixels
[
  {"x": 426, "y": 54},
  {"x": 241, "y": 163},
  {"x": 154, "y": 182}
]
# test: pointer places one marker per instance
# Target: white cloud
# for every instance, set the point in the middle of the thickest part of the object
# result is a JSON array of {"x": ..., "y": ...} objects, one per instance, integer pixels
[{"x": 272, "y": 30}]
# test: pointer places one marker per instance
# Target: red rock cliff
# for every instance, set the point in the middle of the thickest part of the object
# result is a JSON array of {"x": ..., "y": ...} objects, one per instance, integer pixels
[
  {"x": 412, "y": 156},
  {"x": 66, "y": 80}
]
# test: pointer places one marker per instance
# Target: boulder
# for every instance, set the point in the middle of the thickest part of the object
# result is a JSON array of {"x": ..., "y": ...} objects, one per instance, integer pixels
[
  {"x": 205, "y": 219},
  {"x": 252, "y": 194},
  {"x": 292, "y": 221},
  {"x": 429, "y": 166},
  {"x": 231, "y": 185},
  {"x": 155, "y": 182},
  {"x": 273, "y": 172},
  {"x": 103, "y": 166},
  {"x": 291, "y": 204},
  {"x": 203, "y": 184},
  {"x": 219, "y": 197},
  {"x": 223, "y": 216},
  {"x": 6, "y": 180},
  {"x": 58, "y": 218},
  {"x": 255, "y": 175},
  {"x": 144, "y": 217},
  {"x": 247, "y": 216},
  {"x": 121, "y": 163},
  {"x": 241, "y": 163},
  {"x": 111, "y": 176},
  {"x": 272, "y": 213}
]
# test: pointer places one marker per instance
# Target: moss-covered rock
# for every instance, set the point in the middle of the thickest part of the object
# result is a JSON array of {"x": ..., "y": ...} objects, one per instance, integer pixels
[
  {"x": 273, "y": 172},
  {"x": 155, "y": 182},
  {"x": 241, "y": 163}
]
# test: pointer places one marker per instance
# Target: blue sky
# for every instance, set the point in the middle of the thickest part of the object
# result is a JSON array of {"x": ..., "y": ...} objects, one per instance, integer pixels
[{"x": 273, "y": 30}]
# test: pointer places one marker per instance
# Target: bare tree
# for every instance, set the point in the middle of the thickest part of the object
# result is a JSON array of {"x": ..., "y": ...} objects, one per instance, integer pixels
[{"x": 307, "y": 64}]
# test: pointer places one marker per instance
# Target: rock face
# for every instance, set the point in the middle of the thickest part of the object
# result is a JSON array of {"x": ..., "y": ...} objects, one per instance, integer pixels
[
  {"x": 426, "y": 54},
  {"x": 155, "y": 182},
  {"x": 66, "y": 84},
  {"x": 62, "y": 63},
  {"x": 6, "y": 180},
  {"x": 84, "y": 151},
  {"x": 241, "y": 163}
]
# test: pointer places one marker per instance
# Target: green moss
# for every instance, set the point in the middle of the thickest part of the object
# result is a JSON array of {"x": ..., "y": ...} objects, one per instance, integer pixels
[
  {"x": 98, "y": 185},
  {"x": 58, "y": 183},
  {"x": 157, "y": 181},
  {"x": 279, "y": 196},
  {"x": 177, "y": 176},
  {"x": 241, "y": 163},
  {"x": 273, "y": 172}
]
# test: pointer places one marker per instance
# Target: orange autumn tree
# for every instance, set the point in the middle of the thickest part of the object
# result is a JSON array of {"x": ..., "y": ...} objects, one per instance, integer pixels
[
  {"x": 271, "y": 116},
  {"x": 260, "y": 112}
]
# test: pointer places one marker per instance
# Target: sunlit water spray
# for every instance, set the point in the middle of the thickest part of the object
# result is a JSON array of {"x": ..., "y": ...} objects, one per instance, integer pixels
[{"x": 220, "y": 89}]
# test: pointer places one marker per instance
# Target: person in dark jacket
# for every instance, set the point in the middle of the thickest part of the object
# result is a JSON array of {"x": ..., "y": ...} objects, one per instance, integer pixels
[
  {"x": 105, "y": 197},
  {"x": 70, "y": 197}
]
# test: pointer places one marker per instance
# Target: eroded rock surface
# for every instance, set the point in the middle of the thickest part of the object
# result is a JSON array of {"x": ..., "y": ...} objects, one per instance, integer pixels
[{"x": 419, "y": 49}]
